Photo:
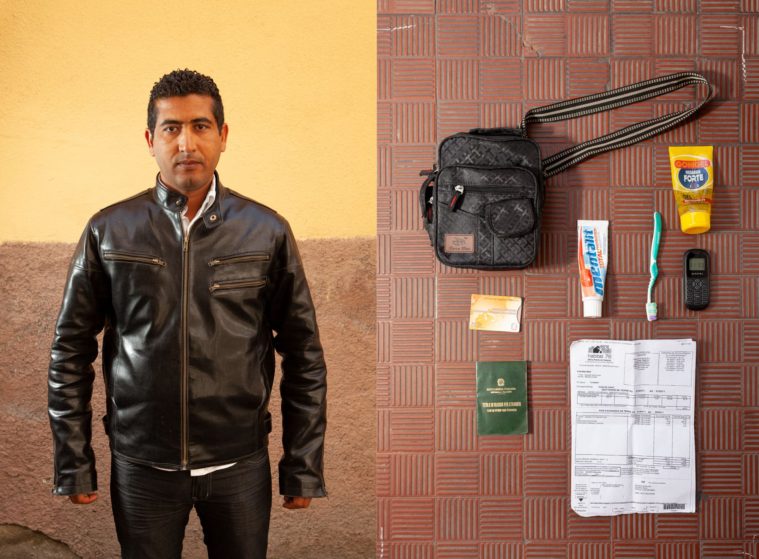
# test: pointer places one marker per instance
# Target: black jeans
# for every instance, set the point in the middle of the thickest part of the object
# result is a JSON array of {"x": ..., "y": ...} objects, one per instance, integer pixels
[{"x": 151, "y": 508}]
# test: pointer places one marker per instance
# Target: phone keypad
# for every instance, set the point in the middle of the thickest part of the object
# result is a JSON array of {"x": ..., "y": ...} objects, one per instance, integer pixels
[{"x": 698, "y": 294}]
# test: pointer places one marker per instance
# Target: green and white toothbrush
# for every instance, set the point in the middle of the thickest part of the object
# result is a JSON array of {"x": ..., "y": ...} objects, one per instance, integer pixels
[{"x": 650, "y": 305}]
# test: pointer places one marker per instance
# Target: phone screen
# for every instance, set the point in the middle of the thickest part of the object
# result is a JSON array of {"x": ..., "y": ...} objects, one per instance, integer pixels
[{"x": 697, "y": 264}]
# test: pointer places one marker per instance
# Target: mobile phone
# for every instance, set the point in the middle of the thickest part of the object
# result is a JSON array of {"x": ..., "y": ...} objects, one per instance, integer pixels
[{"x": 696, "y": 279}]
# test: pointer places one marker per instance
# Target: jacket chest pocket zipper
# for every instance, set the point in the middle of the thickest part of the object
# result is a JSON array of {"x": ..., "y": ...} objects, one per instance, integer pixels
[
  {"x": 236, "y": 284},
  {"x": 251, "y": 257},
  {"x": 117, "y": 256}
]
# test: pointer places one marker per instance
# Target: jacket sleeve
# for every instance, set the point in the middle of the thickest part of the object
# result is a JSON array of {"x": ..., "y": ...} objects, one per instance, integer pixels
[
  {"x": 304, "y": 382},
  {"x": 71, "y": 374}
]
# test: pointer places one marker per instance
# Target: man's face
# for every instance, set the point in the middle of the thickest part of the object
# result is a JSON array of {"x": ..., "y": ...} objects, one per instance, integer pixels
[{"x": 186, "y": 142}]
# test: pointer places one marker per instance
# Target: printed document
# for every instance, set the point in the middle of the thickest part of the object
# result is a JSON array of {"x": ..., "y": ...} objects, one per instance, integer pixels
[{"x": 633, "y": 446}]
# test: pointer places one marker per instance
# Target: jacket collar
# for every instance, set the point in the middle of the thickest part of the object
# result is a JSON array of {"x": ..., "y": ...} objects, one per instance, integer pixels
[{"x": 174, "y": 201}]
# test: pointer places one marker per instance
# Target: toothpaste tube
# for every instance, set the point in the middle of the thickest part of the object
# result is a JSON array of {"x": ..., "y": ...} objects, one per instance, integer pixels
[{"x": 593, "y": 258}]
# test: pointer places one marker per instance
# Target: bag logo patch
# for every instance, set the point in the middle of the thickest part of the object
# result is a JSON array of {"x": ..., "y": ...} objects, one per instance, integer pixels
[{"x": 458, "y": 243}]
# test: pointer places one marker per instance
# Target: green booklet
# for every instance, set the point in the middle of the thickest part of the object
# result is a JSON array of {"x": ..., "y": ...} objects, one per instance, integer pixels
[{"x": 501, "y": 397}]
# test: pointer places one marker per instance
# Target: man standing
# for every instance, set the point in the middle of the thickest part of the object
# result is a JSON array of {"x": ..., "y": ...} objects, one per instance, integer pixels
[{"x": 194, "y": 287}]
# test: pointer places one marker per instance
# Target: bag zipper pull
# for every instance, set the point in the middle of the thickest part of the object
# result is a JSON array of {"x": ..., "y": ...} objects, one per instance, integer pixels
[
  {"x": 428, "y": 191},
  {"x": 457, "y": 197},
  {"x": 429, "y": 172}
]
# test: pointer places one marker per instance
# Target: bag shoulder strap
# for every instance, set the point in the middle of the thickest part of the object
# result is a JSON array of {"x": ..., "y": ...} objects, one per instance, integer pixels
[{"x": 609, "y": 100}]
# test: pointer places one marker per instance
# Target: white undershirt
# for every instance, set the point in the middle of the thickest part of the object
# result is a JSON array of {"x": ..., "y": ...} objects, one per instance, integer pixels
[
  {"x": 186, "y": 223},
  {"x": 207, "y": 203}
]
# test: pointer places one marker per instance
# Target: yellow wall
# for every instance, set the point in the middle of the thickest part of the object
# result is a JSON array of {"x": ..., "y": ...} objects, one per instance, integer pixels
[{"x": 297, "y": 78}]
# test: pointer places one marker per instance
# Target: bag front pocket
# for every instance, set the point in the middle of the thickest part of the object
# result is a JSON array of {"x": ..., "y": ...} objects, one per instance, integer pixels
[
  {"x": 510, "y": 218},
  {"x": 487, "y": 217}
]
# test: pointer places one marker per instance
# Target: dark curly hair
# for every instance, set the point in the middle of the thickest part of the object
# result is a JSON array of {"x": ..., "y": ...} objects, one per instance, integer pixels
[{"x": 180, "y": 83}]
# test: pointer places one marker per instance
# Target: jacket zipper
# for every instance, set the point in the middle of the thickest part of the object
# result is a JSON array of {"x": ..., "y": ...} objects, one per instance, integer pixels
[
  {"x": 236, "y": 284},
  {"x": 259, "y": 257},
  {"x": 184, "y": 443},
  {"x": 118, "y": 256}
]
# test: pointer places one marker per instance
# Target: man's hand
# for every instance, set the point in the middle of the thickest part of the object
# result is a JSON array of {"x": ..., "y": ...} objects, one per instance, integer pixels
[
  {"x": 296, "y": 502},
  {"x": 83, "y": 498}
]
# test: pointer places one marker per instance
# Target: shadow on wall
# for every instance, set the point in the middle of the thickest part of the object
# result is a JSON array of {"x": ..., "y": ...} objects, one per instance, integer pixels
[{"x": 342, "y": 277}]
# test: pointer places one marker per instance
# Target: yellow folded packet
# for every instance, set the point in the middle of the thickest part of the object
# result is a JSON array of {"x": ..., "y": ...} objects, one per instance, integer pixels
[{"x": 497, "y": 313}]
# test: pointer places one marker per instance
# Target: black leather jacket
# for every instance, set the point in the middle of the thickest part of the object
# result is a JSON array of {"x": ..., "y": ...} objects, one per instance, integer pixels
[{"x": 190, "y": 326}]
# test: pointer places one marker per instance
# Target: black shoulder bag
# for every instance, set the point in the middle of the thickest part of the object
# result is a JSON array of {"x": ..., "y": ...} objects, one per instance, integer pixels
[{"x": 481, "y": 204}]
